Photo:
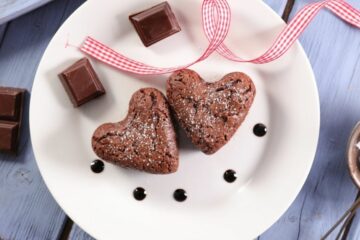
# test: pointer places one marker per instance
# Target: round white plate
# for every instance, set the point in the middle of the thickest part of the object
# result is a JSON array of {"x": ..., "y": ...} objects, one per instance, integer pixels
[{"x": 271, "y": 169}]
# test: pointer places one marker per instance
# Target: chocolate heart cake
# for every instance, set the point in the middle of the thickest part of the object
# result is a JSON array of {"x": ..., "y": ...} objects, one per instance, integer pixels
[
  {"x": 210, "y": 113},
  {"x": 145, "y": 140}
]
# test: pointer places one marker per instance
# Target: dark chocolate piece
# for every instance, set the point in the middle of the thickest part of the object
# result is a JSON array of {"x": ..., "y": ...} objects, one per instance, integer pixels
[
  {"x": 155, "y": 24},
  {"x": 9, "y": 132},
  {"x": 10, "y": 103},
  {"x": 11, "y": 108},
  {"x": 81, "y": 82}
]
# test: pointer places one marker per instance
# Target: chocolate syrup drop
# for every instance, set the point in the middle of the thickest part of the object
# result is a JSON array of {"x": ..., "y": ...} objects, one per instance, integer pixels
[
  {"x": 260, "y": 130},
  {"x": 180, "y": 195},
  {"x": 97, "y": 166},
  {"x": 139, "y": 194},
  {"x": 230, "y": 176}
]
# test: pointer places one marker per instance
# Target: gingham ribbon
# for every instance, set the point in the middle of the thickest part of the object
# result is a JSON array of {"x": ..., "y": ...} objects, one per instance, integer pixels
[{"x": 216, "y": 17}]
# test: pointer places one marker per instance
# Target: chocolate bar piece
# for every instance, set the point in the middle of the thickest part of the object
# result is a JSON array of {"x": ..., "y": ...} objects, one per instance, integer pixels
[
  {"x": 10, "y": 103},
  {"x": 155, "y": 24},
  {"x": 81, "y": 82},
  {"x": 9, "y": 132},
  {"x": 11, "y": 108}
]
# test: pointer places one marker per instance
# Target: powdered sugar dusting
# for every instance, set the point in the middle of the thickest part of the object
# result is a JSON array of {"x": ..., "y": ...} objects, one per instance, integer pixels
[
  {"x": 145, "y": 140},
  {"x": 210, "y": 112}
]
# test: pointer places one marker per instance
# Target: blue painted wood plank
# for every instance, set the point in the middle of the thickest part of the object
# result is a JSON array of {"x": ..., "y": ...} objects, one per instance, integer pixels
[
  {"x": 10, "y": 9},
  {"x": 354, "y": 232},
  {"x": 334, "y": 52},
  {"x": 78, "y": 234},
  {"x": 27, "y": 210},
  {"x": 2, "y": 32},
  {"x": 277, "y": 5}
]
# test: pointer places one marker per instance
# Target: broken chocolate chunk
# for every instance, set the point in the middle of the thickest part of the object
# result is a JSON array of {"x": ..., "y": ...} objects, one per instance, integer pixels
[
  {"x": 9, "y": 136},
  {"x": 155, "y": 23},
  {"x": 81, "y": 82},
  {"x": 11, "y": 108}
]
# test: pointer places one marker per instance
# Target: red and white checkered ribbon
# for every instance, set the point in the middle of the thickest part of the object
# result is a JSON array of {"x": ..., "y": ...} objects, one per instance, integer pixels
[{"x": 216, "y": 15}]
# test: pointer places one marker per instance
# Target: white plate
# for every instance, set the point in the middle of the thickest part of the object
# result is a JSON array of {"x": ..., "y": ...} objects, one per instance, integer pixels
[{"x": 271, "y": 170}]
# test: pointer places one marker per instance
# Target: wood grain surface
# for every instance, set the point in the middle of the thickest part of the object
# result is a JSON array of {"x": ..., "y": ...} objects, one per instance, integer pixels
[
  {"x": 78, "y": 234},
  {"x": 2, "y": 31},
  {"x": 10, "y": 9},
  {"x": 333, "y": 48},
  {"x": 27, "y": 210}
]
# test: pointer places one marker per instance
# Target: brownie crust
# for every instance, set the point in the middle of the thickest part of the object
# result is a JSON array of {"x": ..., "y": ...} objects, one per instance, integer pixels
[
  {"x": 210, "y": 113},
  {"x": 145, "y": 140}
]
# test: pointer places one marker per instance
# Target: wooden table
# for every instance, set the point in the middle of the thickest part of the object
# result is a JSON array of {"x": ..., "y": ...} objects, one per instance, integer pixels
[
  {"x": 10, "y": 9},
  {"x": 28, "y": 211}
]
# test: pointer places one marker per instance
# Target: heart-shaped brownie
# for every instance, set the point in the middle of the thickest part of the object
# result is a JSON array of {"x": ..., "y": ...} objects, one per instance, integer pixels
[
  {"x": 210, "y": 113},
  {"x": 145, "y": 140}
]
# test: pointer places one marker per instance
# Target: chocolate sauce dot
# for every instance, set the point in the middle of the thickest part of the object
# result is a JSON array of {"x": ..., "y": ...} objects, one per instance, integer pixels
[
  {"x": 230, "y": 176},
  {"x": 260, "y": 130},
  {"x": 139, "y": 194},
  {"x": 180, "y": 195},
  {"x": 97, "y": 166}
]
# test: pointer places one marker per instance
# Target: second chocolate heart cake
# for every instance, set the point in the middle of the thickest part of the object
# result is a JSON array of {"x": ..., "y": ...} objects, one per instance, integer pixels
[
  {"x": 145, "y": 140},
  {"x": 210, "y": 113}
]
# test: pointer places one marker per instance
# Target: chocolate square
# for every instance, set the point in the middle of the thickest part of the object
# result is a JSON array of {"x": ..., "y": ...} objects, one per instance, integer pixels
[
  {"x": 9, "y": 136},
  {"x": 81, "y": 82},
  {"x": 11, "y": 108},
  {"x": 10, "y": 103},
  {"x": 155, "y": 23}
]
